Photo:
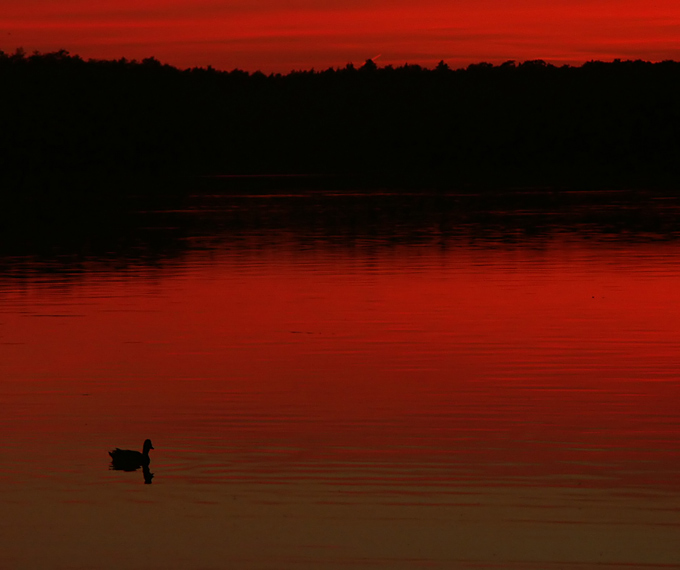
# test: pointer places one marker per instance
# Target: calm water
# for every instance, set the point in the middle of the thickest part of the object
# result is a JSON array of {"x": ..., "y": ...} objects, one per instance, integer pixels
[{"x": 346, "y": 382}]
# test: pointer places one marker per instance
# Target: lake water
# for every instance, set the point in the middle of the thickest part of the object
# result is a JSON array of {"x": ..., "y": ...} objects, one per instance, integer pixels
[{"x": 336, "y": 380}]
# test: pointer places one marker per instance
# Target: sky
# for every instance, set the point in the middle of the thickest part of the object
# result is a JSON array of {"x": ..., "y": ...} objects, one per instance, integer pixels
[{"x": 281, "y": 35}]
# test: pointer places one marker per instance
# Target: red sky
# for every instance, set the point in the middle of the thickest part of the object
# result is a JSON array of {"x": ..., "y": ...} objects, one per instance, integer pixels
[{"x": 280, "y": 35}]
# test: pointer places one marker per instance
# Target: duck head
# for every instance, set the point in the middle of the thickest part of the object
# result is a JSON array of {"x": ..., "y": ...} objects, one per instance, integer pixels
[{"x": 147, "y": 446}]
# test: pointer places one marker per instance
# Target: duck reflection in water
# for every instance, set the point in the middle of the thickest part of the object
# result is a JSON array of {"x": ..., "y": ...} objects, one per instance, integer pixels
[{"x": 129, "y": 460}]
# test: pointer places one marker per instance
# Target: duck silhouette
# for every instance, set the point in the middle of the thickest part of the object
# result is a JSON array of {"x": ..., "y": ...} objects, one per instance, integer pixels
[{"x": 129, "y": 460}]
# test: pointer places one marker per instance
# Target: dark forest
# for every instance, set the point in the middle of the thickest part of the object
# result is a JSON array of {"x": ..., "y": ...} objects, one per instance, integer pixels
[{"x": 530, "y": 124}]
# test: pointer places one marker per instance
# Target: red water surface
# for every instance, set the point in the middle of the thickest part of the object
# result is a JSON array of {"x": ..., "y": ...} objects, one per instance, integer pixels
[
  {"x": 351, "y": 404},
  {"x": 515, "y": 366}
]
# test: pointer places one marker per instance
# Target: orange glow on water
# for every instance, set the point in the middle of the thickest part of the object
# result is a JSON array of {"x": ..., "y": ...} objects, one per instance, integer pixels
[{"x": 271, "y": 36}]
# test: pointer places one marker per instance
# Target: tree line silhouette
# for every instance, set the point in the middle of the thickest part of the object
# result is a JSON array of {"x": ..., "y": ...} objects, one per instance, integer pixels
[{"x": 517, "y": 124}]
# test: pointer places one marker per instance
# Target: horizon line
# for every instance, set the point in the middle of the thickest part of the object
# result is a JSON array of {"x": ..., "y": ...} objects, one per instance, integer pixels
[{"x": 65, "y": 53}]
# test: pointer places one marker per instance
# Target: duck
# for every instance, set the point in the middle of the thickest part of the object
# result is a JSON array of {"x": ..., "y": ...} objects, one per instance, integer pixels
[{"x": 129, "y": 460}]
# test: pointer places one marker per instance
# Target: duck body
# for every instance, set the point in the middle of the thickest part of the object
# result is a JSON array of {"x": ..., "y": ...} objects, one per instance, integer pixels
[{"x": 129, "y": 460}]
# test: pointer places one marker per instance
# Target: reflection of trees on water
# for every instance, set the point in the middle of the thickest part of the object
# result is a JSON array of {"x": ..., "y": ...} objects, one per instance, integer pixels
[{"x": 76, "y": 236}]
